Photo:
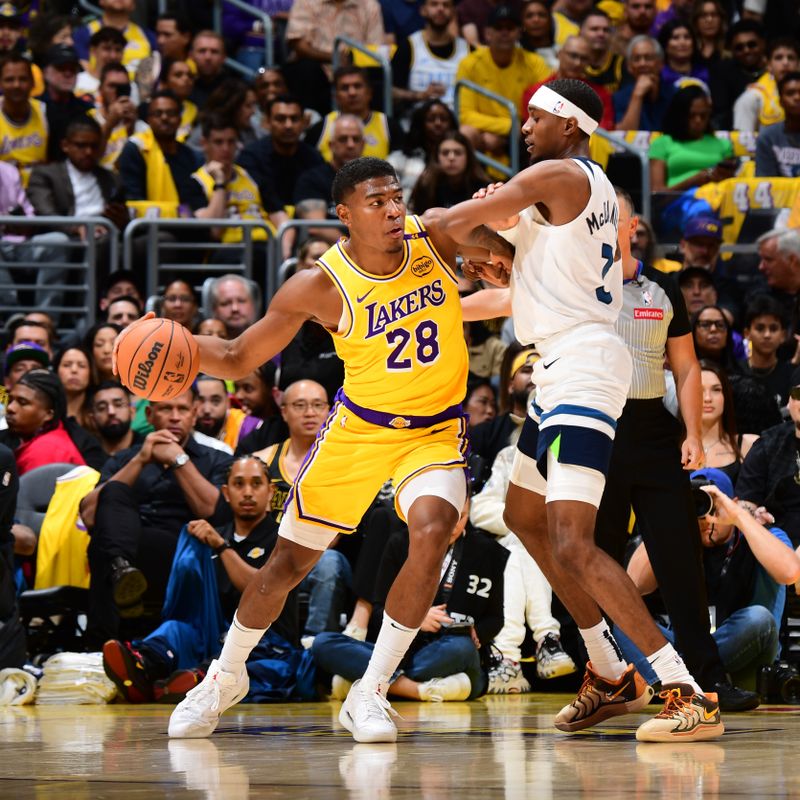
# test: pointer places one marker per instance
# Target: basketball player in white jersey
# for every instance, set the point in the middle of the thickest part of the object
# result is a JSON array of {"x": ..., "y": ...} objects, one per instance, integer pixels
[{"x": 566, "y": 293}]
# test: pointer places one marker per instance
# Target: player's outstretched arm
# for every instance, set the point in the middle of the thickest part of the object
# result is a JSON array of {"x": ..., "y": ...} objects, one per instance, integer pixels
[
  {"x": 476, "y": 241},
  {"x": 486, "y": 304},
  {"x": 549, "y": 183},
  {"x": 307, "y": 295}
]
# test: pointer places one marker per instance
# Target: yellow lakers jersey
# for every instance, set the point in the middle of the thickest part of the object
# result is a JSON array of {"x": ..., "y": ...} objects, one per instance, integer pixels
[
  {"x": 376, "y": 135},
  {"x": 244, "y": 201},
  {"x": 188, "y": 119},
  {"x": 400, "y": 336},
  {"x": 25, "y": 145},
  {"x": 733, "y": 198},
  {"x": 137, "y": 47}
]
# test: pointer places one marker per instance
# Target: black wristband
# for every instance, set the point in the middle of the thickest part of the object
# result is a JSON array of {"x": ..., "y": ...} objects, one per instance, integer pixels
[
  {"x": 218, "y": 551},
  {"x": 219, "y": 186}
]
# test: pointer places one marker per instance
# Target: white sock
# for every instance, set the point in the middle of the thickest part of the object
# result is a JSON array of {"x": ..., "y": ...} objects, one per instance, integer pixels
[
  {"x": 669, "y": 667},
  {"x": 238, "y": 644},
  {"x": 604, "y": 652},
  {"x": 393, "y": 643}
]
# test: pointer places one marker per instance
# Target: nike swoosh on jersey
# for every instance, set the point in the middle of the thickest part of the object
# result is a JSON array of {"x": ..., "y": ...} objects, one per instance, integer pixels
[
  {"x": 437, "y": 430},
  {"x": 547, "y": 366},
  {"x": 365, "y": 296}
]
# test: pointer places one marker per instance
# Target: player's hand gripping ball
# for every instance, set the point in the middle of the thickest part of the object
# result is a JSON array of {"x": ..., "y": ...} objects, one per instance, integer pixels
[{"x": 156, "y": 359}]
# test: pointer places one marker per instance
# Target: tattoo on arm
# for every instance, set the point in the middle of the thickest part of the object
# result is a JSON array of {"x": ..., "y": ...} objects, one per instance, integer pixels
[{"x": 486, "y": 237}]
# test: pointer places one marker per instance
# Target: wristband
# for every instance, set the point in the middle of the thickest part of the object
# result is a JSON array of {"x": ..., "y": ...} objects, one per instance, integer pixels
[
  {"x": 218, "y": 186},
  {"x": 218, "y": 551}
]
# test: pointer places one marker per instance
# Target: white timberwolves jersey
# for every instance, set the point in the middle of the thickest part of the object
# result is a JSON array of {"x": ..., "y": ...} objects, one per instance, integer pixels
[
  {"x": 426, "y": 68},
  {"x": 565, "y": 275}
]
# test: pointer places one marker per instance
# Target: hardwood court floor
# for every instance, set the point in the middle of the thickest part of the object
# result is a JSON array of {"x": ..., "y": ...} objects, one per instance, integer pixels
[{"x": 500, "y": 747}]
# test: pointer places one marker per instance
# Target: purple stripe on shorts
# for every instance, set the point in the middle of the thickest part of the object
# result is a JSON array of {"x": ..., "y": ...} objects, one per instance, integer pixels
[{"x": 398, "y": 421}]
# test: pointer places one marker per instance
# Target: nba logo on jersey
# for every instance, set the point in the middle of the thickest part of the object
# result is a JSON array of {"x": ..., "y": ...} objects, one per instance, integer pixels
[{"x": 647, "y": 298}]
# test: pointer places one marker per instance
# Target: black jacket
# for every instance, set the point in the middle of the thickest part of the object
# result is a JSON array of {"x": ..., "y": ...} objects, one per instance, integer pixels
[
  {"x": 769, "y": 477},
  {"x": 477, "y": 588}
]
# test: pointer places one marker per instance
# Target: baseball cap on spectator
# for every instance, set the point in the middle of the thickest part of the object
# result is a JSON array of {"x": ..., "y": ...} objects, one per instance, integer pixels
[
  {"x": 524, "y": 358},
  {"x": 10, "y": 13},
  {"x": 705, "y": 226},
  {"x": 62, "y": 54},
  {"x": 26, "y": 351},
  {"x": 503, "y": 13},
  {"x": 717, "y": 477},
  {"x": 687, "y": 274}
]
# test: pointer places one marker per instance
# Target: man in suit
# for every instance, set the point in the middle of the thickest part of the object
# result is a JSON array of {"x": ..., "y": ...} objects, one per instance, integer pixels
[{"x": 79, "y": 187}]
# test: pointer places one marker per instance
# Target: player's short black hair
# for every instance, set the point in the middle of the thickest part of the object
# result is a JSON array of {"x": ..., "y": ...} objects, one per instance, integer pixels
[
  {"x": 581, "y": 94},
  {"x": 358, "y": 171},
  {"x": 764, "y": 305}
]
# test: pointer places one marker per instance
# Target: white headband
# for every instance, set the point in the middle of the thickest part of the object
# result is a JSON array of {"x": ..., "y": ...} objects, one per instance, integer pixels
[{"x": 548, "y": 100}]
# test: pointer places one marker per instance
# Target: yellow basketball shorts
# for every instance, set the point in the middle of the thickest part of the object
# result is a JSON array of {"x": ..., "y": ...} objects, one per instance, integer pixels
[{"x": 352, "y": 458}]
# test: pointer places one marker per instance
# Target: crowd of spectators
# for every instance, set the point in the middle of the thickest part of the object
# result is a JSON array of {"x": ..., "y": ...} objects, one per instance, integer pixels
[{"x": 131, "y": 114}]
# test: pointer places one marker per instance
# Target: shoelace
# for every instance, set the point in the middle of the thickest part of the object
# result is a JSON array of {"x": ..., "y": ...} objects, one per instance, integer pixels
[
  {"x": 377, "y": 706},
  {"x": 202, "y": 690},
  {"x": 673, "y": 704}
]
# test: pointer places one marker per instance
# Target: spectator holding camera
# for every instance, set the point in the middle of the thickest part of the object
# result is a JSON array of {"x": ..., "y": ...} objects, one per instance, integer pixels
[
  {"x": 747, "y": 568},
  {"x": 688, "y": 154},
  {"x": 115, "y": 112}
]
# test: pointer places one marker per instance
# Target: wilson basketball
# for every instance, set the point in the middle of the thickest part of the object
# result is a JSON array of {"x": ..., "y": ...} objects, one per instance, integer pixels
[{"x": 157, "y": 359}]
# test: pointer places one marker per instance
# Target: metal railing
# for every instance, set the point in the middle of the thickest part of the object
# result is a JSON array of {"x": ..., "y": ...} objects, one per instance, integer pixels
[
  {"x": 266, "y": 21},
  {"x": 513, "y": 138},
  {"x": 79, "y": 256},
  {"x": 621, "y": 144},
  {"x": 382, "y": 61},
  {"x": 156, "y": 249},
  {"x": 277, "y": 247}
]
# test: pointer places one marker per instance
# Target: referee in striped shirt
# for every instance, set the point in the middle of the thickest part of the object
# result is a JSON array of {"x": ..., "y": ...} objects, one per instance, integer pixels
[{"x": 650, "y": 467}]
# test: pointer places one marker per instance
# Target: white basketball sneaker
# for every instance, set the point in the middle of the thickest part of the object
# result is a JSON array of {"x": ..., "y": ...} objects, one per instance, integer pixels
[
  {"x": 451, "y": 687},
  {"x": 367, "y": 714},
  {"x": 197, "y": 715}
]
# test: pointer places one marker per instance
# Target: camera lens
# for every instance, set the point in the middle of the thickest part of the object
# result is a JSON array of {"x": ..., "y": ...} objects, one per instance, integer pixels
[
  {"x": 790, "y": 688},
  {"x": 703, "y": 501}
]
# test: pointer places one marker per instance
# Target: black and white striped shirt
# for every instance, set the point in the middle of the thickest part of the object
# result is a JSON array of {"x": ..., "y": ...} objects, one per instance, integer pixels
[{"x": 652, "y": 311}]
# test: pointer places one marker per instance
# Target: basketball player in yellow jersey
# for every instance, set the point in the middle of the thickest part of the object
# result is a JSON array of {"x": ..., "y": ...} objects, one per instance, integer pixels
[{"x": 388, "y": 294}]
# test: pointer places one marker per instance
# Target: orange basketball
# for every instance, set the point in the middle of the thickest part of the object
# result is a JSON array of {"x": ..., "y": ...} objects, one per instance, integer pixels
[{"x": 157, "y": 359}]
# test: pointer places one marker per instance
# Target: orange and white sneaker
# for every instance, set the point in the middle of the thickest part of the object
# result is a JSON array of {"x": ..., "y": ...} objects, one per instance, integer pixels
[
  {"x": 599, "y": 698},
  {"x": 686, "y": 716}
]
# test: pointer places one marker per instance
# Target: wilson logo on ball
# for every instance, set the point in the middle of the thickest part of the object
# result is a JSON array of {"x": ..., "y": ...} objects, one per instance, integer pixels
[{"x": 144, "y": 368}]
